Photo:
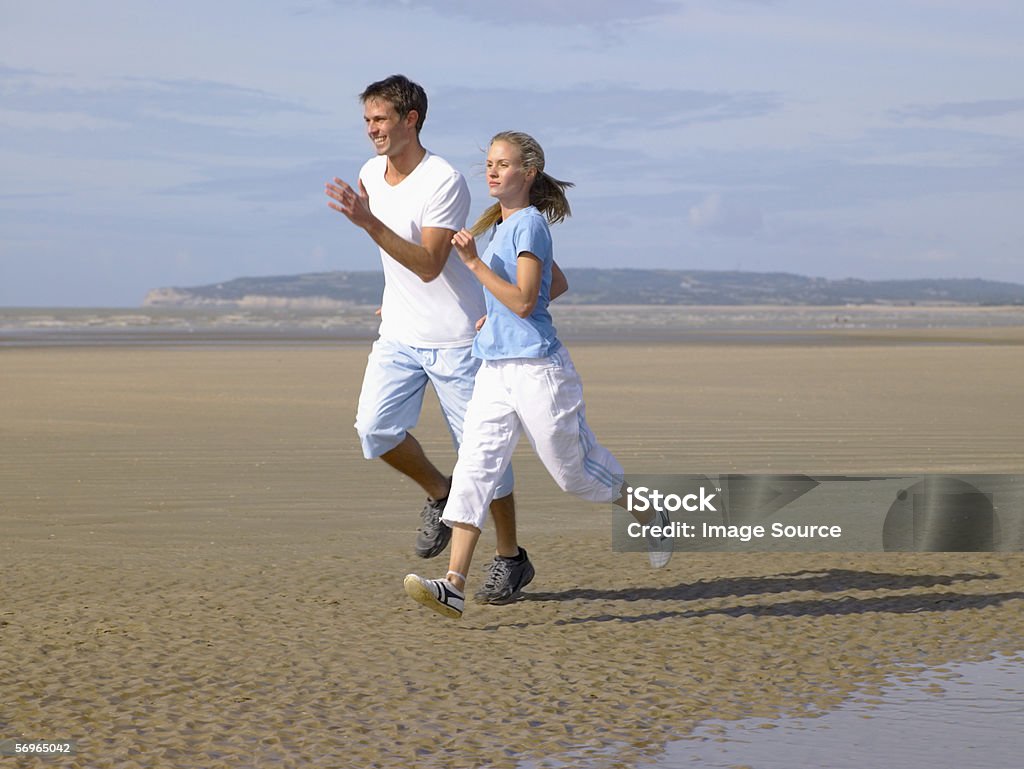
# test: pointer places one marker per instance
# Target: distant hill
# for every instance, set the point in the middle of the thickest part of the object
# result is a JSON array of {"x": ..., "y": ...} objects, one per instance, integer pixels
[{"x": 615, "y": 286}]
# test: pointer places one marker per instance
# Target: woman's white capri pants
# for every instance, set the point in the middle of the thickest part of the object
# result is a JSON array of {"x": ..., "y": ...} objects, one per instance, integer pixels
[{"x": 543, "y": 398}]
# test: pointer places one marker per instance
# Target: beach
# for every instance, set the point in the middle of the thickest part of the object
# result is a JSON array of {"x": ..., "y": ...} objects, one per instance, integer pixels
[{"x": 200, "y": 569}]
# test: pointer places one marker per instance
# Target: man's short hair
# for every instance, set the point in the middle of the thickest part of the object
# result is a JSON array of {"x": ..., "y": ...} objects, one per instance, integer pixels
[{"x": 403, "y": 94}]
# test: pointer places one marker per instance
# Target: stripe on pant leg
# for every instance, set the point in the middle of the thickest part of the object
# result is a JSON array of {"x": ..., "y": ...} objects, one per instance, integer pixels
[{"x": 594, "y": 469}]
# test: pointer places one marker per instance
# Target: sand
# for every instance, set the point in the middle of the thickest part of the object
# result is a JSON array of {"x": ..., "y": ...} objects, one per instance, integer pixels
[{"x": 200, "y": 570}]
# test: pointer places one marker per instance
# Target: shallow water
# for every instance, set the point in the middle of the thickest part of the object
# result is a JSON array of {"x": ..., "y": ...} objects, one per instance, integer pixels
[
  {"x": 967, "y": 715},
  {"x": 42, "y": 327},
  {"x": 963, "y": 715}
]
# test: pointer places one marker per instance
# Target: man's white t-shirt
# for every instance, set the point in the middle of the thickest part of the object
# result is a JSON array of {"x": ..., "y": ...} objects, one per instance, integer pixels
[{"x": 443, "y": 312}]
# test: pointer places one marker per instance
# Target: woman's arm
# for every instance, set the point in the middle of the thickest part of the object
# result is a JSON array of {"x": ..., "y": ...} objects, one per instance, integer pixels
[
  {"x": 559, "y": 283},
  {"x": 520, "y": 297}
]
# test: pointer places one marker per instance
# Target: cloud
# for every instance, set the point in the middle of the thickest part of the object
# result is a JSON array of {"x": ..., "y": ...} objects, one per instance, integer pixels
[
  {"x": 969, "y": 110},
  {"x": 130, "y": 119},
  {"x": 57, "y": 121},
  {"x": 541, "y": 12},
  {"x": 716, "y": 216},
  {"x": 9, "y": 72},
  {"x": 600, "y": 110},
  {"x": 257, "y": 184},
  {"x": 131, "y": 98},
  {"x": 935, "y": 255}
]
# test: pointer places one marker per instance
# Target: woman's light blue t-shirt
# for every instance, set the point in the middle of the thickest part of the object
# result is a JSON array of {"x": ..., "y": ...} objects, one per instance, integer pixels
[{"x": 505, "y": 334}]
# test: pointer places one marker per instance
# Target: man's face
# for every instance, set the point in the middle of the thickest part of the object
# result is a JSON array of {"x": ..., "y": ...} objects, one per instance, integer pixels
[{"x": 389, "y": 132}]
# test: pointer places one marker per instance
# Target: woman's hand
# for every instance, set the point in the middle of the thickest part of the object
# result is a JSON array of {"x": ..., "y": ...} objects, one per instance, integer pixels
[{"x": 465, "y": 246}]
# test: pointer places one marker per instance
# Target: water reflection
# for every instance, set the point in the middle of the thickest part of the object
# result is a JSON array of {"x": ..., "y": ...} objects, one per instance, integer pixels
[{"x": 962, "y": 715}]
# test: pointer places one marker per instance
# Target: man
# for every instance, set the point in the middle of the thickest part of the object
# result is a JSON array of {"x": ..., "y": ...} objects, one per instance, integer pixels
[{"x": 411, "y": 203}]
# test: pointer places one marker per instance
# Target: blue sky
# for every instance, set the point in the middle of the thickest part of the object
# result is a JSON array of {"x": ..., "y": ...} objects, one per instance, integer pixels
[{"x": 150, "y": 144}]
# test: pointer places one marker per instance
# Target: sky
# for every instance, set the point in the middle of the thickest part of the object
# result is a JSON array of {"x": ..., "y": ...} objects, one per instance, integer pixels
[{"x": 153, "y": 144}]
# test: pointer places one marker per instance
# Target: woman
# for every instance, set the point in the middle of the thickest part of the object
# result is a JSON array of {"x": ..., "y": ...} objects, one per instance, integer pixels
[{"x": 526, "y": 382}]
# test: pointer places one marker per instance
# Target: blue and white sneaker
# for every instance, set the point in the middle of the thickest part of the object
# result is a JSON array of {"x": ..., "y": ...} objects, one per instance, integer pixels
[
  {"x": 659, "y": 549},
  {"x": 437, "y": 594}
]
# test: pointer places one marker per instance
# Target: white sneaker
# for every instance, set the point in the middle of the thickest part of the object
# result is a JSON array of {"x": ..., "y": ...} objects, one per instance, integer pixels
[
  {"x": 437, "y": 594},
  {"x": 659, "y": 549}
]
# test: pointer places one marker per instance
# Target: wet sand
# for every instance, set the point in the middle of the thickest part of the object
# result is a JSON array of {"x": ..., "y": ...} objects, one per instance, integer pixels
[{"x": 199, "y": 569}]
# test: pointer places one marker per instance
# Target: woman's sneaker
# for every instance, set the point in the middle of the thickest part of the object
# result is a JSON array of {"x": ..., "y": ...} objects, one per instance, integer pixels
[
  {"x": 437, "y": 594},
  {"x": 506, "y": 577},
  {"x": 659, "y": 549}
]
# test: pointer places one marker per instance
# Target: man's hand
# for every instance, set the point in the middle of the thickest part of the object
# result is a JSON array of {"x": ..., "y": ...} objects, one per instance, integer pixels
[
  {"x": 426, "y": 259},
  {"x": 480, "y": 323},
  {"x": 356, "y": 206}
]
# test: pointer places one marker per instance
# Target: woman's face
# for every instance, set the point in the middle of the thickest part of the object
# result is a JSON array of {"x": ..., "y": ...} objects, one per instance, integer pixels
[{"x": 507, "y": 180}]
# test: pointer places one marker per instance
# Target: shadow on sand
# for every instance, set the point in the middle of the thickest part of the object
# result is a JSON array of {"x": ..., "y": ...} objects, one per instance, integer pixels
[{"x": 828, "y": 581}]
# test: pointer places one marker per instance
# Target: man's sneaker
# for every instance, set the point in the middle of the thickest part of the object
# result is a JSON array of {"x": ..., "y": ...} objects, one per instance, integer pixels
[
  {"x": 433, "y": 535},
  {"x": 505, "y": 578},
  {"x": 437, "y": 594},
  {"x": 659, "y": 549}
]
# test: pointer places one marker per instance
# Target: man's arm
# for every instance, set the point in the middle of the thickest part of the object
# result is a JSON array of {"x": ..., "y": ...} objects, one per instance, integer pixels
[{"x": 426, "y": 259}]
